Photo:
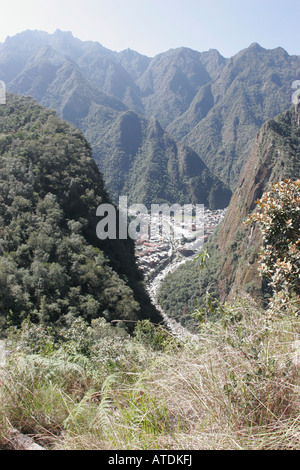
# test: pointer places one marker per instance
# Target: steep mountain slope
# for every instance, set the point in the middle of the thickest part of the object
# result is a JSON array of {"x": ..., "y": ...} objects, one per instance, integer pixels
[
  {"x": 223, "y": 119},
  {"x": 170, "y": 82},
  {"x": 52, "y": 265},
  {"x": 16, "y": 50},
  {"x": 112, "y": 78},
  {"x": 211, "y": 104},
  {"x": 133, "y": 62},
  {"x": 152, "y": 167},
  {"x": 274, "y": 157},
  {"x": 234, "y": 248},
  {"x": 97, "y": 63},
  {"x": 59, "y": 83},
  {"x": 145, "y": 165},
  {"x": 213, "y": 61}
]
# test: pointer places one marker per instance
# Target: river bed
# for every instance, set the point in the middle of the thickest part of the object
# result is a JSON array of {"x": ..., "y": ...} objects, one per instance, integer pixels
[{"x": 153, "y": 287}]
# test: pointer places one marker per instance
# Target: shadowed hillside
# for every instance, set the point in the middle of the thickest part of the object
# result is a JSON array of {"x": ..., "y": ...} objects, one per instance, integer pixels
[{"x": 53, "y": 267}]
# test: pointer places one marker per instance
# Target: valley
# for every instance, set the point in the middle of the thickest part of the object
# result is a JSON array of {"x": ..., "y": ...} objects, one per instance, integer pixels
[
  {"x": 176, "y": 128},
  {"x": 182, "y": 331},
  {"x": 159, "y": 252},
  {"x": 158, "y": 258}
]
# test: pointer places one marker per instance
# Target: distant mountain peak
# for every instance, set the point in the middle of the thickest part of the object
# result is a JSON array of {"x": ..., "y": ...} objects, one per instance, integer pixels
[
  {"x": 27, "y": 35},
  {"x": 212, "y": 104},
  {"x": 255, "y": 45},
  {"x": 59, "y": 32}
]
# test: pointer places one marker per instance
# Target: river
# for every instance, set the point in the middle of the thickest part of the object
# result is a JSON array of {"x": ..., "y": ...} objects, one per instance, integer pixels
[{"x": 153, "y": 287}]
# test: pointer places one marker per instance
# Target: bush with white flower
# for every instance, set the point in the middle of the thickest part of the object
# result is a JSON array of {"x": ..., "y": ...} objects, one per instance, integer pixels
[{"x": 278, "y": 216}]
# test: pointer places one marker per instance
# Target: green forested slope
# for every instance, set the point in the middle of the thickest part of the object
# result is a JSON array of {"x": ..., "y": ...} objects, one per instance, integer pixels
[
  {"x": 223, "y": 119},
  {"x": 170, "y": 82},
  {"x": 52, "y": 265},
  {"x": 150, "y": 167},
  {"x": 214, "y": 106}
]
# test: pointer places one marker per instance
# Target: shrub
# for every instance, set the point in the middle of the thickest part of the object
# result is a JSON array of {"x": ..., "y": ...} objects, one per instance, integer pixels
[
  {"x": 155, "y": 337},
  {"x": 278, "y": 216}
]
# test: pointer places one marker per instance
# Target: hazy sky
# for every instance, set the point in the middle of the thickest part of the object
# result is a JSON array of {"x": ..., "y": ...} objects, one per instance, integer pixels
[{"x": 154, "y": 26}]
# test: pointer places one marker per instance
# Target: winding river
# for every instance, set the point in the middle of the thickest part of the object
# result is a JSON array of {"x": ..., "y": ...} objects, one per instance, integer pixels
[{"x": 153, "y": 287}]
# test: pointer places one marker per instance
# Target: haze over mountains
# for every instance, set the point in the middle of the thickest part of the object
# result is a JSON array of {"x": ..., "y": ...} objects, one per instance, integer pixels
[{"x": 190, "y": 117}]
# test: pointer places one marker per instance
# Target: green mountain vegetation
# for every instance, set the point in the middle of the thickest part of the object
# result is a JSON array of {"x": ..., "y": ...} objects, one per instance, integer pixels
[
  {"x": 223, "y": 119},
  {"x": 150, "y": 167},
  {"x": 85, "y": 362},
  {"x": 233, "y": 384},
  {"x": 234, "y": 387},
  {"x": 88, "y": 86},
  {"x": 53, "y": 268},
  {"x": 232, "y": 266},
  {"x": 170, "y": 82},
  {"x": 211, "y": 104}
]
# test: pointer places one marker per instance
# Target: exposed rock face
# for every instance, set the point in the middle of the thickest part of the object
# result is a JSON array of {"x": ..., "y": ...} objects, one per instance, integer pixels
[
  {"x": 275, "y": 156},
  {"x": 234, "y": 247}
]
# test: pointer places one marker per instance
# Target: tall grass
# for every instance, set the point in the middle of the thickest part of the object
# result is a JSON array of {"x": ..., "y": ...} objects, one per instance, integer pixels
[{"x": 235, "y": 387}]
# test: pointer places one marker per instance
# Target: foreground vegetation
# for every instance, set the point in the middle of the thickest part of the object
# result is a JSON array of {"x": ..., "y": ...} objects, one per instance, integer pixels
[
  {"x": 73, "y": 377},
  {"x": 93, "y": 387},
  {"x": 233, "y": 385}
]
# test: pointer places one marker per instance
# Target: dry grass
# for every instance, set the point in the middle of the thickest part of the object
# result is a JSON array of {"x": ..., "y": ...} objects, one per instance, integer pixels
[{"x": 236, "y": 388}]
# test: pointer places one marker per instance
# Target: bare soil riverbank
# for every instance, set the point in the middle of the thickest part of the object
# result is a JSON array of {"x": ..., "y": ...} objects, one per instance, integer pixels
[
  {"x": 176, "y": 328},
  {"x": 158, "y": 258}
]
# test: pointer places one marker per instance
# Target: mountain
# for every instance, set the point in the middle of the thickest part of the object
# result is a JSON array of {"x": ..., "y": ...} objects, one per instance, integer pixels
[
  {"x": 152, "y": 167},
  {"x": 213, "y": 61},
  {"x": 16, "y": 50},
  {"x": 213, "y": 105},
  {"x": 52, "y": 265},
  {"x": 274, "y": 157},
  {"x": 133, "y": 62},
  {"x": 224, "y": 116},
  {"x": 59, "y": 83},
  {"x": 87, "y": 86},
  {"x": 170, "y": 82},
  {"x": 38, "y": 55},
  {"x": 111, "y": 77},
  {"x": 234, "y": 248}
]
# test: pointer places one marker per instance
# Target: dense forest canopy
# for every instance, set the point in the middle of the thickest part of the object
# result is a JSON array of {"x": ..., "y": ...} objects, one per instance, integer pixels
[{"x": 52, "y": 265}]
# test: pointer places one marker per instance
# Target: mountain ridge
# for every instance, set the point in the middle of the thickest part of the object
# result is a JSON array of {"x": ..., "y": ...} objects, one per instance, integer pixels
[
  {"x": 65, "y": 83},
  {"x": 213, "y": 105}
]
